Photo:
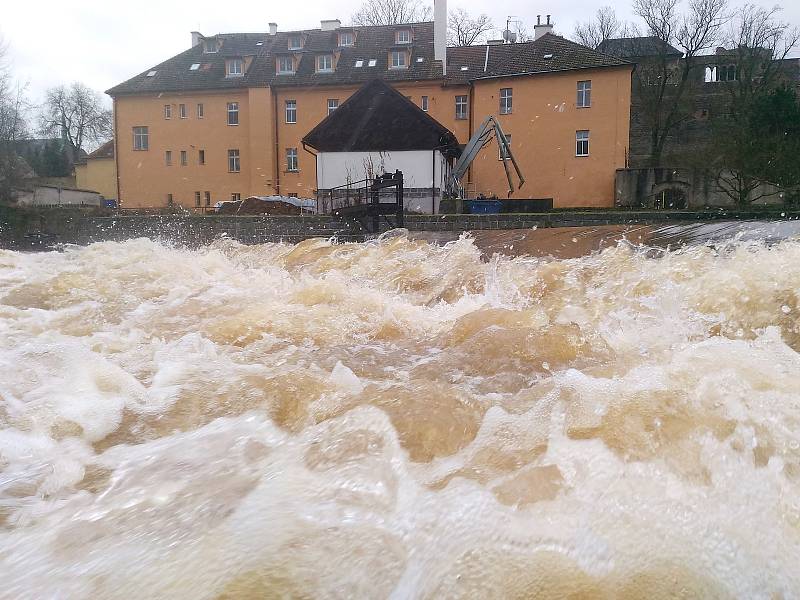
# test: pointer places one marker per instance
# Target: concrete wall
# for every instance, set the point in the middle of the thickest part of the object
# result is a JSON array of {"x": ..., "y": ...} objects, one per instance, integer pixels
[
  {"x": 542, "y": 127},
  {"x": 424, "y": 173},
  {"x": 98, "y": 174},
  {"x": 55, "y": 196}
]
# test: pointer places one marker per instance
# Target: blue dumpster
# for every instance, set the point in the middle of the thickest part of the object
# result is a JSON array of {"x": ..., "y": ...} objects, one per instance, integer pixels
[{"x": 483, "y": 207}]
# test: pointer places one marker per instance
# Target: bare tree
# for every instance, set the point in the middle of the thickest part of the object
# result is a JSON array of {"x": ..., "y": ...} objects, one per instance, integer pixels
[
  {"x": 391, "y": 12},
  {"x": 604, "y": 26},
  {"x": 12, "y": 128},
  {"x": 754, "y": 68},
  {"x": 463, "y": 30},
  {"x": 77, "y": 114},
  {"x": 664, "y": 83}
]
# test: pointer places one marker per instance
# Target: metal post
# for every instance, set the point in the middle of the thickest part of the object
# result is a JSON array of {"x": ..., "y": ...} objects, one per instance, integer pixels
[{"x": 398, "y": 175}]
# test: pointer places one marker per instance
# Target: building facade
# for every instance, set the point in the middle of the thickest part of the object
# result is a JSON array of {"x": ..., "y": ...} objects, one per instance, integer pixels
[
  {"x": 226, "y": 118},
  {"x": 98, "y": 172}
]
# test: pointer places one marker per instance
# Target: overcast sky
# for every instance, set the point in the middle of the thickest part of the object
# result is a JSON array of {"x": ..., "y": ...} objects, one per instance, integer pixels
[{"x": 102, "y": 43}]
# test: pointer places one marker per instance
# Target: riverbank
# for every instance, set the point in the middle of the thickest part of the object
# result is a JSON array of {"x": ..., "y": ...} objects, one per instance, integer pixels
[{"x": 30, "y": 229}]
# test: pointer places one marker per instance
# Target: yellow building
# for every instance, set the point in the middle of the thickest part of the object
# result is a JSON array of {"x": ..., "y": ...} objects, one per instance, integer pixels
[
  {"x": 225, "y": 118},
  {"x": 98, "y": 172}
]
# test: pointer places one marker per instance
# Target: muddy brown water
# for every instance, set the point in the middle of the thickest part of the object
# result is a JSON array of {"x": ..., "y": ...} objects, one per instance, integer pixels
[{"x": 530, "y": 414}]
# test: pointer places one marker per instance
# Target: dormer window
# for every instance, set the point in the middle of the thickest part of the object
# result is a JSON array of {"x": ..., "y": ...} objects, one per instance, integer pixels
[
  {"x": 398, "y": 59},
  {"x": 285, "y": 65},
  {"x": 234, "y": 67},
  {"x": 403, "y": 36},
  {"x": 295, "y": 42},
  {"x": 325, "y": 63},
  {"x": 210, "y": 46},
  {"x": 346, "y": 38}
]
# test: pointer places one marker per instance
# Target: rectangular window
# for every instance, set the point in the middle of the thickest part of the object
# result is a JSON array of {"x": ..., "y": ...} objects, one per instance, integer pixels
[
  {"x": 141, "y": 139},
  {"x": 584, "y": 94},
  {"x": 197, "y": 198},
  {"x": 424, "y": 103},
  {"x": 333, "y": 104},
  {"x": 346, "y": 38},
  {"x": 233, "y": 113},
  {"x": 183, "y": 158},
  {"x": 461, "y": 107},
  {"x": 398, "y": 59},
  {"x": 234, "y": 67},
  {"x": 233, "y": 161},
  {"x": 295, "y": 42},
  {"x": 200, "y": 114},
  {"x": 201, "y": 157},
  {"x": 207, "y": 197},
  {"x": 168, "y": 111},
  {"x": 291, "y": 111},
  {"x": 170, "y": 201},
  {"x": 502, "y": 154},
  {"x": 182, "y": 111},
  {"x": 403, "y": 36},
  {"x": 505, "y": 101},
  {"x": 582, "y": 143},
  {"x": 168, "y": 158},
  {"x": 285, "y": 65},
  {"x": 325, "y": 63},
  {"x": 291, "y": 159},
  {"x": 236, "y": 196}
]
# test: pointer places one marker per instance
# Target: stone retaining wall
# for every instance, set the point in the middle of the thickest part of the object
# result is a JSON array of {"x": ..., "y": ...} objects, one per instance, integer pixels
[{"x": 24, "y": 229}]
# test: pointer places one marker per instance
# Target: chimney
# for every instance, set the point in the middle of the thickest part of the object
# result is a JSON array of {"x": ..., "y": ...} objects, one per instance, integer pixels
[
  {"x": 440, "y": 33},
  {"x": 196, "y": 38},
  {"x": 330, "y": 25},
  {"x": 273, "y": 28},
  {"x": 540, "y": 29}
]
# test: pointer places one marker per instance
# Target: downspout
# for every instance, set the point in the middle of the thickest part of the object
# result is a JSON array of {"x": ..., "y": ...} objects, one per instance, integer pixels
[
  {"x": 470, "y": 125},
  {"x": 116, "y": 152},
  {"x": 277, "y": 178},
  {"x": 433, "y": 181},
  {"x": 316, "y": 170},
  {"x": 486, "y": 60}
]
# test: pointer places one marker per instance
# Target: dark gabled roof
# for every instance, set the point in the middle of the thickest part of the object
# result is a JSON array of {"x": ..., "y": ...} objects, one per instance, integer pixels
[
  {"x": 379, "y": 118},
  {"x": 638, "y": 47},
  {"x": 370, "y": 43},
  {"x": 104, "y": 151},
  {"x": 550, "y": 53}
]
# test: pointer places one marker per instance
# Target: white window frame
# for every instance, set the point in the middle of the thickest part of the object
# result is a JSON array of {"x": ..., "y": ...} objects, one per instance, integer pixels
[
  {"x": 283, "y": 61},
  {"x": 207, "y": 198},
  {"x": 396, "y": 54},
  {"x": 322, "y": 66},
  {"x": 210, "y": 47},
  {"x": 197, "y": 198},
  {"x": 290, "y": 111},
  {"x": 333, "y": 104},
  {"x": 423, "y": 103},
  {"x": 234, "y": 164},
  {"x": 184, "y": 158},
  {"x": 500, "y": 154},
  {"x": 168, "y": 158},
  {"x": 234, "y": 67},
  {"x": 346, "y": 39},
  {"x": 465, "y": 103},
  {"x": 292, "y": 165},
  {"x": 200, "y": 110},
  {"x": 298, "y": 46},
  {"x": 201, "y": 156},
  {"x": 168, "y": 111},
  {"x": 506, "y": 101},
  {"x": 141, "y": 138},
  {"x": 236, "y": 196},
  {"x": 581, "y": 137},
  {"x": 182, "y": 111},
  {"x": 402, "y": 36},
  {"x": 584, "y": 99},
  {"x": 233, "y": 114}
]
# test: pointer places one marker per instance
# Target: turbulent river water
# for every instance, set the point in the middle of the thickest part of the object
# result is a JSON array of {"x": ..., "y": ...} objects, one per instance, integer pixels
[{"x": 400, "y": 419}]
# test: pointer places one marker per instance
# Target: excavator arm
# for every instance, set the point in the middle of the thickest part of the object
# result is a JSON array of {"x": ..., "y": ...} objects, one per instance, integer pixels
[{"x": 483, "y": 136}]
